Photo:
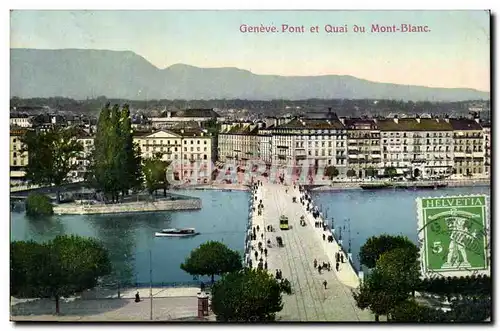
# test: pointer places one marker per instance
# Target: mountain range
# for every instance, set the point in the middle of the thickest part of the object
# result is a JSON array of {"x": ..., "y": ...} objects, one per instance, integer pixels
[{"x": 85, "y": 73}]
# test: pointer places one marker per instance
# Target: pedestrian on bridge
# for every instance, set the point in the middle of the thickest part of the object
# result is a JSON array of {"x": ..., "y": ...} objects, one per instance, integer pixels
[
  {"x": 337, "y": 266},
  {"x": 325, "y": 283},
  {"x": 319, "y": 269},
  {"x": 257, "y": 255},
  {"x": 342, "y": 258},
  {"x": 265, "y": 252},
  {"x": 315, "y": 263},
  {"x": 324, "y": 237}
]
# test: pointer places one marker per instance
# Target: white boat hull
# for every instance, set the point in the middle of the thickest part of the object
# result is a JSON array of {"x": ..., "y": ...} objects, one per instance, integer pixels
[{"x": 160, "y": 234}]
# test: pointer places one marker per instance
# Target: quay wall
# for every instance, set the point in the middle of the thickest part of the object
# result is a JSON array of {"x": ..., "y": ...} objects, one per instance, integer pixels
[{"x": 129, "y": 207}]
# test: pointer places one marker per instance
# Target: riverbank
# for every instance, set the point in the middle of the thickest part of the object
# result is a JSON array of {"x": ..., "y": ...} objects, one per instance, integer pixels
[
  {"x": 356, "y": 185},
  {"x": 215, "y": 186}
]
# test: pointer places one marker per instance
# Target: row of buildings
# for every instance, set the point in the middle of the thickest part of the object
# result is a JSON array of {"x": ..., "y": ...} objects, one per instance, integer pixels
[{"x": 422, "y": 147}]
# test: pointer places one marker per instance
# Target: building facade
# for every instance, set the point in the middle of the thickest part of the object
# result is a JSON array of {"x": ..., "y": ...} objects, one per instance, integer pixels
[
  {"x": 363, "y": 147},
  {"x": 190, "y": 150},
  {"x": 238, "y": 141},
  {"x": 82, "y": 162},
  {"x": 315, "y": 142},
  {"x": 18, "y": 159},
  {"x": 170, "y": 118},
  {"x": 420, "y": 147},
  {"x": 487, "y": 148},
  {"x": 468, "y": 147}
]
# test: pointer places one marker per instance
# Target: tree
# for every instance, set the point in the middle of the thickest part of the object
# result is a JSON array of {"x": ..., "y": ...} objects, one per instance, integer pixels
[
  {"x": 390, "y": 171},
  {"x": 247, "y": 295},
  {"x": 370, "y": 172},
  {"x": 59, "y": 268},
  {"x": 331, "y": 172},
  {"x": 50, "y": 155},
  {"x": 129, "y": 152},
  {"x": 373, "y": 294},
  {"x": 155, "y": 173},
  {"x": 410, "y": 311},
  {"x": 351, "y": 173},
  {"x": 400, "y": 266},
  {"x": 38, "y": 205},
  {"x": 375, "y": 246},
  {"x": 210, "y": 259},
  {"x": 115, "y": 165}
]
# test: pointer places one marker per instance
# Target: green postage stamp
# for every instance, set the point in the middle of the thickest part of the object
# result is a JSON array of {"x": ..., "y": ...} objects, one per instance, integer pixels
[{"x": 454, "y": 235}]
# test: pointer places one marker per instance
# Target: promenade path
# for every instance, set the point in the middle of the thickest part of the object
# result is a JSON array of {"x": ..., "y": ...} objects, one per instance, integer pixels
[
  {"x": 168, "y": 304},
  {"x": 310, "y": 301}
]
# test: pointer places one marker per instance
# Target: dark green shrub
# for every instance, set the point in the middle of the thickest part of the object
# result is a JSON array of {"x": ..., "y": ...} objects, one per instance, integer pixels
[{"x": 38, "y": 205}]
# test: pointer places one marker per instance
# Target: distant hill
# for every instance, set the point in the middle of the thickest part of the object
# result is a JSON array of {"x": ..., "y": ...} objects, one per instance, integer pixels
[{"x": 81, "y": 74}]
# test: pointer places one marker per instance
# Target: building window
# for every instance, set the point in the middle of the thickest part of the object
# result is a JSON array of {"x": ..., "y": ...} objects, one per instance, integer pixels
[
  {"x": 191, "y": 142},
  {"x": 204, "y": 156},
  {"x": 205, "y": 142},
  {"x": 14, "y": 162},
  {"x": 185, "y": 149}
]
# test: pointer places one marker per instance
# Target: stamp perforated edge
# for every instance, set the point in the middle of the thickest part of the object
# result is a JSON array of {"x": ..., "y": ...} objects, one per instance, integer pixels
[{"x": 425, "y": 274}]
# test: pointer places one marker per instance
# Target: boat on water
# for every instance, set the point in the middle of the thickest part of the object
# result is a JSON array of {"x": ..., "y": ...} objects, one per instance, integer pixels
[
  {"x": 422, "y": 186},
  {"x": 375, "y": 186},
  {"x": 185, "y": 232},
  {"x": 416, "y": 186}
]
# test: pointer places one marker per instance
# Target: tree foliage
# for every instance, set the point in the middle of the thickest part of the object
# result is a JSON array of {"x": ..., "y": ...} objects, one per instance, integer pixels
[
  {"x": 50, "y": 155},
  {"x": 401, "y": 267},
  {"x": 375, "y": 246},
  {"x": 212, "y": 258},
  {"x": 58, "y": 268},
  {"x": 247, "y": 295},
  {"x": 476, "y": 286},
  {"x": 38, "y": 205},
  {"x": 395, "y": 277},
  {"x": 411, "y": 311},
  {"x": 115, "y": 165},
  {"x": 331, "y": 172},
  {"x": 351, "y": 173},
  {"x": 155, "y": 173},
  {"x": 374, "y": 293},
  {"x": 370, "y": 172},
  {"x": 390, "y": 171}
]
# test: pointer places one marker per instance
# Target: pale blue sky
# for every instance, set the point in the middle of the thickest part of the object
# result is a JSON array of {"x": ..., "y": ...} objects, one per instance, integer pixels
[{"x": 454, "y": 54}]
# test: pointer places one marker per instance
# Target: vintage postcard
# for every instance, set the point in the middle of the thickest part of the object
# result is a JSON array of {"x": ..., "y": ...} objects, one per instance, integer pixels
[{"x": 250, "y": 166}]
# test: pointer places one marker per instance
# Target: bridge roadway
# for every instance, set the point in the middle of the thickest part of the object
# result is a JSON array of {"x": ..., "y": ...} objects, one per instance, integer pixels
[{"x": 310, "y": 301}]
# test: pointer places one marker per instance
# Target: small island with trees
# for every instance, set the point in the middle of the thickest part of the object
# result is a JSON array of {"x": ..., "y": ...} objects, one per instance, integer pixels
[{"x": 117, "y": 174}]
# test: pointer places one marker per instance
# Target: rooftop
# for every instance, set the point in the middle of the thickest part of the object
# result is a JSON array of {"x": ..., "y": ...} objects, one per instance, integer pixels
[
  {"x": 242, "y": 129},
  {"x": 413, "y": 124},
  {"x": 195, "y": 113},
  {"x": 307, "y": 123},
  {"x": 465, "y": 124}
]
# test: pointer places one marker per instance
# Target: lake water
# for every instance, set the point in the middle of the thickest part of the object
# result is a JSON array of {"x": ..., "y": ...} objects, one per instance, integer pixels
[{"x": 130, "y": 237}]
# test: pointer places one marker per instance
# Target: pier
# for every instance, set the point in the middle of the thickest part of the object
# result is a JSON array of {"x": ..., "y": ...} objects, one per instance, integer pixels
[{"x": 310, "y": 300}]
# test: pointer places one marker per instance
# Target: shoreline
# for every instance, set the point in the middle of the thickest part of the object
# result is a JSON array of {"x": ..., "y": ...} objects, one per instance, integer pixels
[{"x": 356, "y": 185}]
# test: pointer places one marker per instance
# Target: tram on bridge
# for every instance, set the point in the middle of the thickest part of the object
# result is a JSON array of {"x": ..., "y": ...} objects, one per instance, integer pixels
[{"x": 284, "y": 222}]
